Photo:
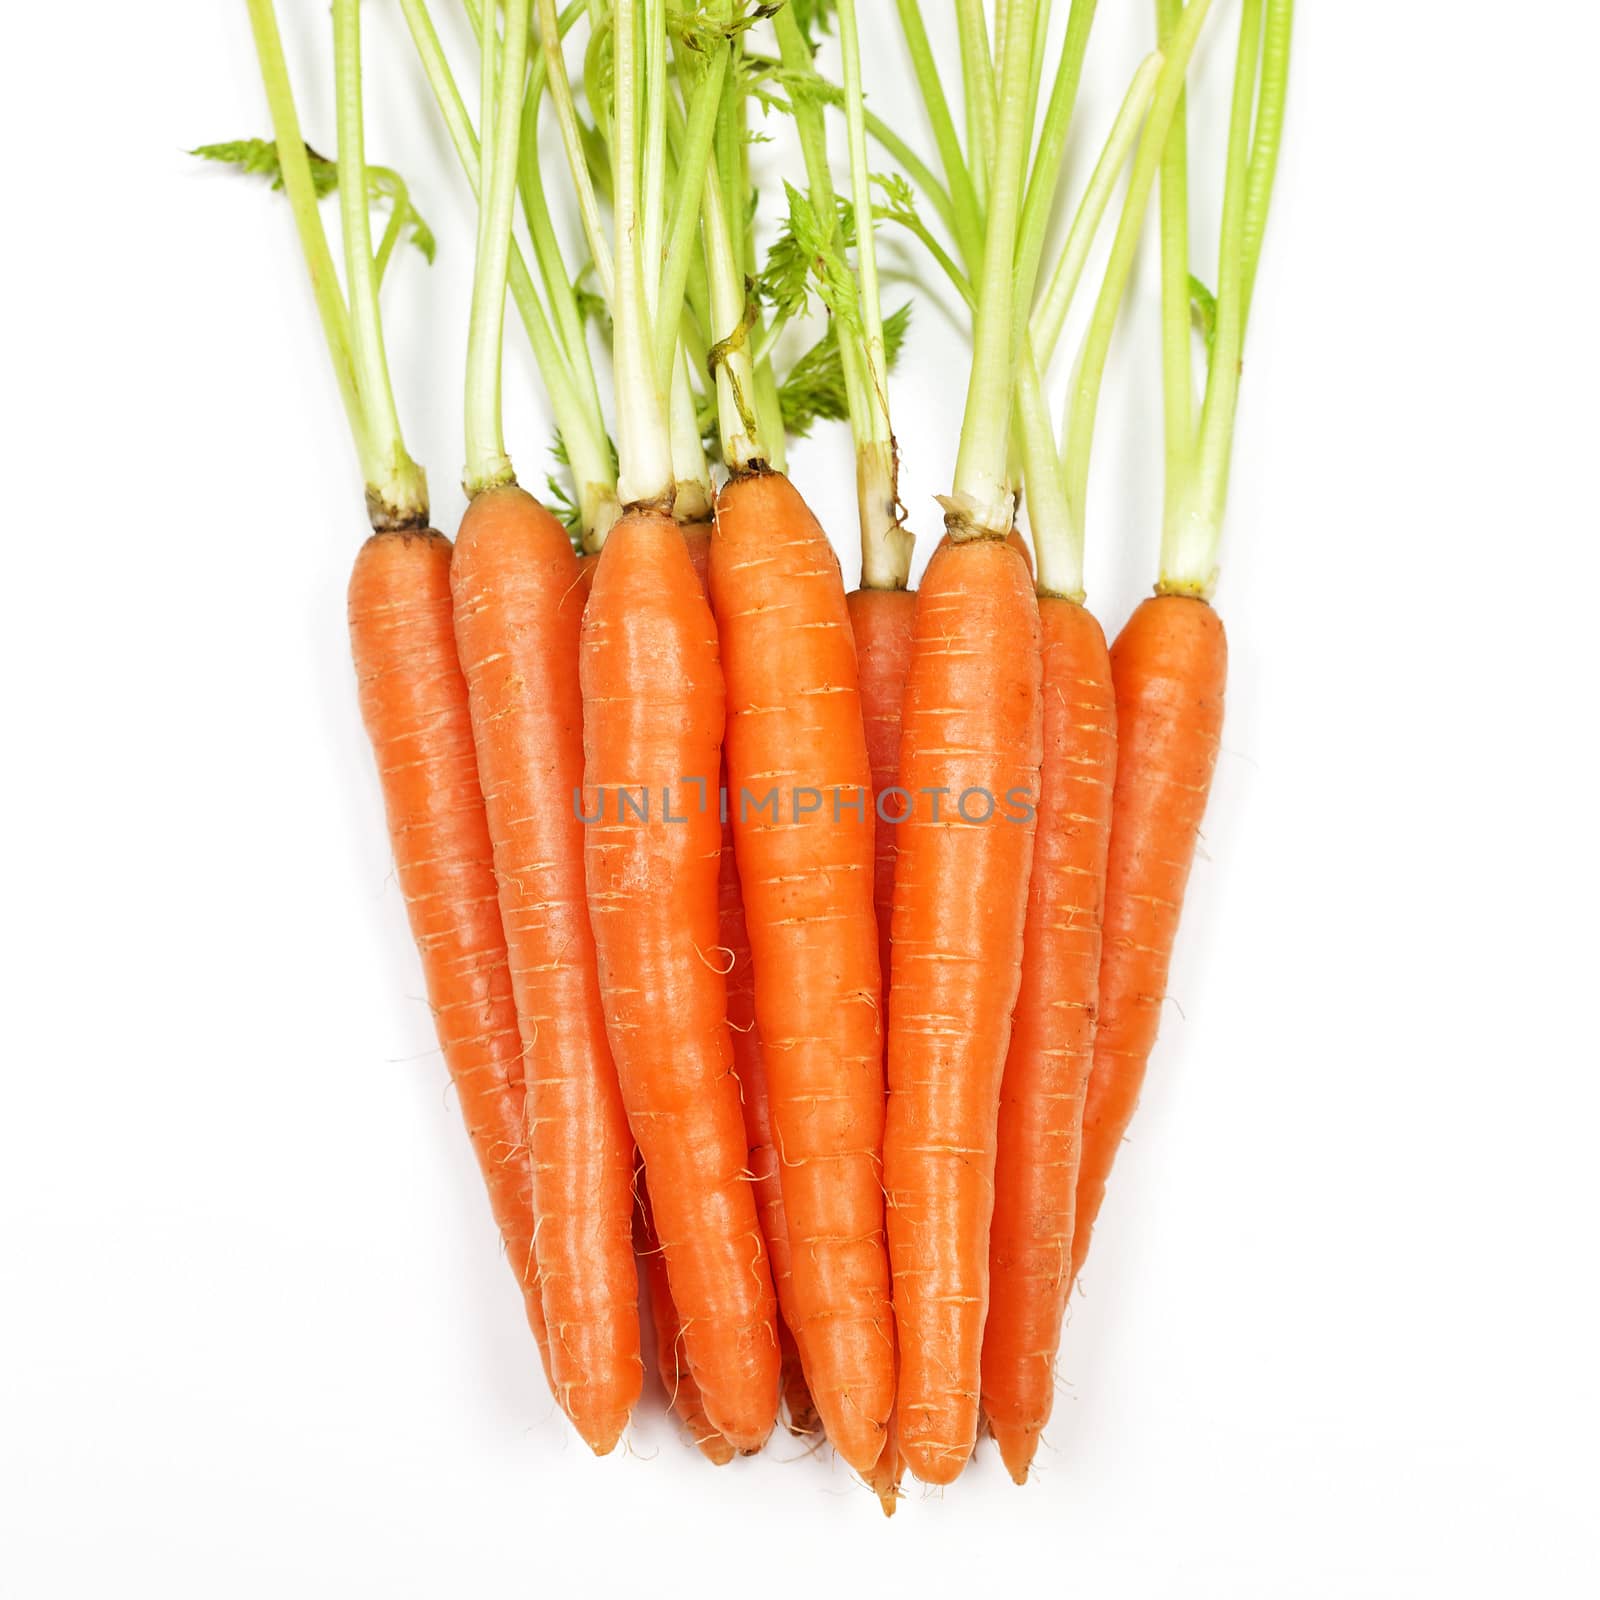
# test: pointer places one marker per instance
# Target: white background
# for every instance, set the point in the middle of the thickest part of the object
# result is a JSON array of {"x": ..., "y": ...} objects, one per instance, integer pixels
[{"x": 1337, "y": 1336}]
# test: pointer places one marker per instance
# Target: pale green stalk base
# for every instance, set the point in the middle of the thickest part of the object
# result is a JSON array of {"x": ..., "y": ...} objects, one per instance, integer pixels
[
  {"x": 886, "y": 544},
  {"x": 692, "y": 494}
]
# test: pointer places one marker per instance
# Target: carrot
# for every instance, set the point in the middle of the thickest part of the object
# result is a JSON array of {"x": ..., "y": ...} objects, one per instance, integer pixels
[
  {"x": 518, "y": 597},
  {"x": 414, "y": 706},
  {"x": 1169, "y": 663},
  {"x": 881, "y": 621},
  {"x": 1040, "y": 1131},
  {"x": 412, "y": 694},
  {"x": 1052, "y": 1040},
  {"x": 971, "y": 738},
  {"x": 795, "y": 738},
  {"x": 799, "y": 781},
  {"x": 683, "y": 1393},
  {"x": 653, "y": 716},
  {"x": 518, "y": 602},
  {"x": 970, "y": 749},
  {"x": 749, "y": 1067}
]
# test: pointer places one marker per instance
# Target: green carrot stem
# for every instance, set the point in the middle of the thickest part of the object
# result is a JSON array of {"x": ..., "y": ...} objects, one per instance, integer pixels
[
  {"x": 572, "y": 139},
  {"x": 572, "y": 399},
  {"x": 1084, "y": 398},
  {"x": 1191, "y": 539},
  {"x": 301, "y": 190},
  {"x": 915, "y": 168},
  {"x": 886, "y": 545},
  {"x": 1267, "y": 137},
  {"x": 981, "y": 492},
  {"x": 967, "y": 223},
  {"x": 979, "y": 93},
  {"x": 694, "y": 154},
  {"x": 1176, "y": 333},
  {"x": 644, "y": 448},
  {"x": 397, "y": 491},
  {"x": 1045, "y": 179},
  {"x": 1053, "y": 308}
]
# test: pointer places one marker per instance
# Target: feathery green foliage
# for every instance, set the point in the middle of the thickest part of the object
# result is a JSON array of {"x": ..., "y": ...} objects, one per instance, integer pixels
[
  {"x": 259, "y": 158},
  {"x": 815, "y": 388}
]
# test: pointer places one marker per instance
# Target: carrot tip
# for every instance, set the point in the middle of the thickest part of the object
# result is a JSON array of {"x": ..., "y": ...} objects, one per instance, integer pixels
[
  {"x": 1017, "y": 1449},
  {"x": 603, "y": 1440}
]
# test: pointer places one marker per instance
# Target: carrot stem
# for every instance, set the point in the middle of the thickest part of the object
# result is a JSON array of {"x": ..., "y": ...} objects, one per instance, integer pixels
[
  {"x": 978, "y": 82},
  {"x": 1052, "y": 313},
  {"x": 573, "y": 396},
  {"x": 550, "y": 34},
  {"x": 982, "y": 495},
  {"x": 967, "y": 221},
  {"x": 1044, "y": 180},
  {"x": 1176, "y": 332},
  {"x": 505, "y": 66},
  {"x": 644, "y": 445},
  {"x": 886, "y": 544},
  {"x": 1192, "y": 535},
  {"x": 684, "y": 228},
  {"x": 301, "y": 191},
  {"x": 397, "y": 489},
  {"x": 1058, "y": 532},
  {"x": 1084, "y": 398}
]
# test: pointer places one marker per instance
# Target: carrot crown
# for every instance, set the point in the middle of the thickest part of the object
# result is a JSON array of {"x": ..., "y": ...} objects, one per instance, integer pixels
[
  {"x": 397, "y": 489},
  {"x": 1198, "y": 458}
]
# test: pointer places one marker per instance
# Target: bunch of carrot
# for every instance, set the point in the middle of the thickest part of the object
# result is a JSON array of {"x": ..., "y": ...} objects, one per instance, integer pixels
[{"x": 806, "y": 946}]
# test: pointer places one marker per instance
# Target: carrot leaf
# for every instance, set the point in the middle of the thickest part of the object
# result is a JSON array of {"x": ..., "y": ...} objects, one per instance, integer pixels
[
  {"x": 815, "y": 389},
  {"x": 816, "y": 17},
  {"x": 259, "y": 158},
  {"x": 805, "y": 258}
]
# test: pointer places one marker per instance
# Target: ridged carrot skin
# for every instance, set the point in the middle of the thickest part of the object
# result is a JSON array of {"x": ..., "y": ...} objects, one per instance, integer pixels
[
  {"x": 1052, "y": 1036},
  {"x": 972, "y": 723},
  {"x": 414, "y": 704},
  {"x": 750, "y": 1066},
  {"x": 1169, "y": 666},
  {"x": 882, "y": 621},
  {"x": 683, "y": 1393},
  {"x": 653, "y": 722},
  {"x": 518, "y": 608},
  {"x": 794, "y": 726}
]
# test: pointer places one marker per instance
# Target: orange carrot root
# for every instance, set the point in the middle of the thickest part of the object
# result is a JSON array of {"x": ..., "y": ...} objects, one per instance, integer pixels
[
  {"x": 1169, "y": 666},
  {"x": 414, "y": 705},
  {"x": 518, "y": 608},
  {"x": 653, "y": 718},
  {"x": 972, "y": 726},
  {"x": 1052, "y": 1040},
  {"x": 882, "y": 621},
  {"x": 683, "y": 1393},
  {"x": 795, "y": 734}
]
